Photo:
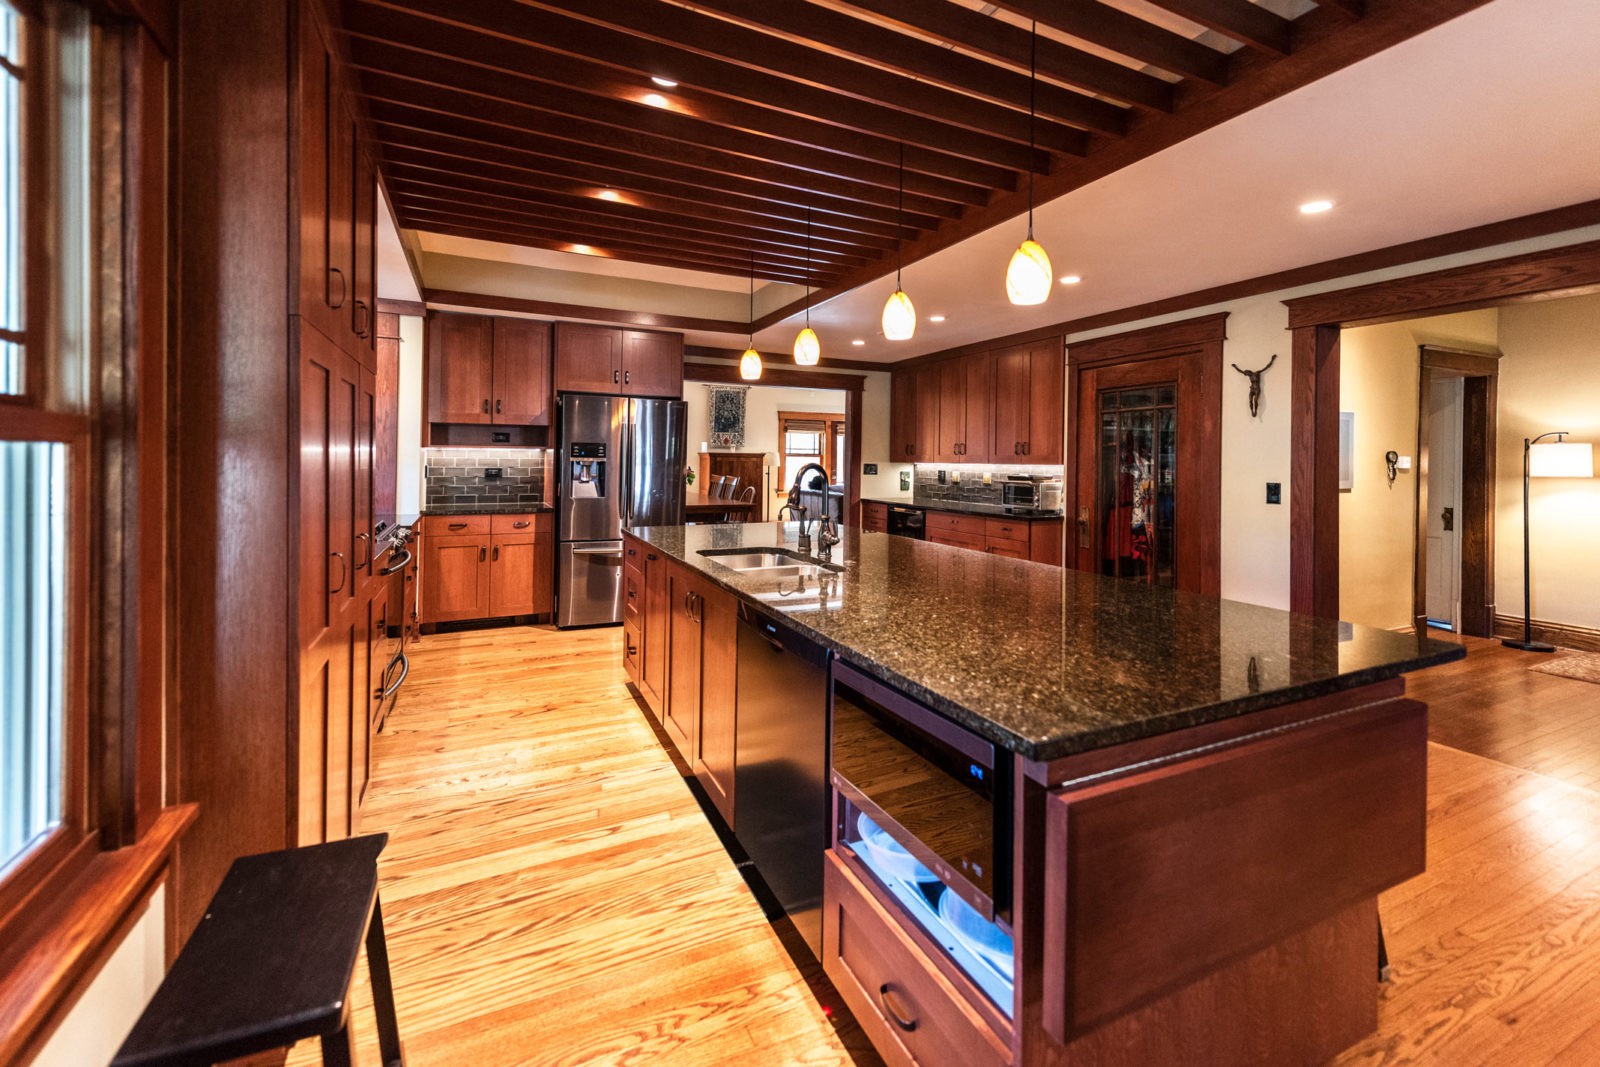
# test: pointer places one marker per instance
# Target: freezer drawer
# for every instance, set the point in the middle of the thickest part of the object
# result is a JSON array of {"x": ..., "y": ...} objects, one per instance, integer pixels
[{"x": 589, "y": 590}]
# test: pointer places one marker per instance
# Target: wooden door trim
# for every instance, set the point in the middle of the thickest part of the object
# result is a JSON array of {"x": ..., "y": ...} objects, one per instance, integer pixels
[
  {"x": 1572, "y": 270},
  {"x": 1149, "y": 342},
  {"x": 1477, "y": 449}
]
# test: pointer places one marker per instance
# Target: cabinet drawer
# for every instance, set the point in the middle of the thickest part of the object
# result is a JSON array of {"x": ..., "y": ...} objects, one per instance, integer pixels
[
  {"x": 950, "y": 521},
  {"x": 632, "y": 595},
  {"x": 1006, "y": 530},
  {"x": 1008, "y": 549},
  {"x": 875, "y": 517},
  {"x": 881, "y": 973},
  {"x": 630, "y": 649},
  {"x": 511, "y": 523},
  {"x": 452, "y": 525},
  {"x": 956, "y": 538}
]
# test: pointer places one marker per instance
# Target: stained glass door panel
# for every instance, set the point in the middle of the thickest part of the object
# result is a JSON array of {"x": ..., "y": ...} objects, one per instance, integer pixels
[{"x": 1136, "y": 485}]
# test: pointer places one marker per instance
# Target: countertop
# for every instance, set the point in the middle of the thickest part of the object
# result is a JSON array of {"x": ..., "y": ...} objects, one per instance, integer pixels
[
  {"x": 1043, "y": 661},
  {"x": 965, "y": 507},
  {"x": 486, "y": 509}
]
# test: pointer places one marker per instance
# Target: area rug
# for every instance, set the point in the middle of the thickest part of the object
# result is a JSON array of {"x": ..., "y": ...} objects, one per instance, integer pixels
[{"x": 1584, "y": 666}]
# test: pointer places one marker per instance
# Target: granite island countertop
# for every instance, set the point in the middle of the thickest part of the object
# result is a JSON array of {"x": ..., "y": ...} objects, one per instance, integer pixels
[{"x": 1044, "y": 661}]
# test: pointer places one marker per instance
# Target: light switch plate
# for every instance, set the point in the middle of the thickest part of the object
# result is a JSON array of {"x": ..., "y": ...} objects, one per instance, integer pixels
[
  {"x": 1274, "y": 492},
  {"x": 493, "y": 473},
  {"x": 869, "y": 468}
]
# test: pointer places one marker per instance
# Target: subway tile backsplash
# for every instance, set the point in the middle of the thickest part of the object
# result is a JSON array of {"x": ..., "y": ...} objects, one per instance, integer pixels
[
  {"x": 453, "y": 478},
  {"x": 964, "y": 481}
]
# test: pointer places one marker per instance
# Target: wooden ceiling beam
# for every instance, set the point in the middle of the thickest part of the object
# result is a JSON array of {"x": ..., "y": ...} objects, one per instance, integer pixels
[
  {"x": 922, "y": 59},
  {"x": 532, "y": 176},
  {"x": 1349, "y": 8},
  {"x": 554, "y": 310},
  {"x": 985, "y": 35},
  {"x": 466, "y": 225},
  {"x": 802, "y": 143},
  {"x": 573, "y": 54},
  {"x": 1127, "y": 35},
  {"x": 738, "y": 58},
  {"x": 603, "y": 229},
  {"x": 1240, "y": 20},
  {"x": 445, "y": 182},
  {"x": 593, "y": 165}
]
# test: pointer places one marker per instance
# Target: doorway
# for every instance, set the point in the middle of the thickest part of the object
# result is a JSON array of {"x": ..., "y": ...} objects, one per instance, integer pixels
[{"x": 1456, "y": 427}]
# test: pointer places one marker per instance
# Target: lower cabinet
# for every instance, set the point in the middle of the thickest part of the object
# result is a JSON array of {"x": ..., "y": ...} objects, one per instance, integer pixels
[
  {"x": 1035, "y": 539},
  {"x": 910, "y": 1009},
  {"x": 487, "y": 566},
  {"x": 874, "y": 516},
  {"x": 681, "y": 716}
]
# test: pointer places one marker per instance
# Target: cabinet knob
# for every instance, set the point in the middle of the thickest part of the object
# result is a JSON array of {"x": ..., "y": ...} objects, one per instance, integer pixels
[{"x": 615, "y": 377}]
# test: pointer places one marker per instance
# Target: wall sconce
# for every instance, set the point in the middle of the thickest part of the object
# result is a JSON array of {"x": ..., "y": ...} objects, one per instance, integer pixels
[{"x": 1558, "y": 459}]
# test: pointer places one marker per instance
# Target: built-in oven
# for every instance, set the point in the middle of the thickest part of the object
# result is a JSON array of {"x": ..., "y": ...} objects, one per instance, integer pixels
[
  {"x": 908, "y": 522},
  {"x": 923, "y": 805}
]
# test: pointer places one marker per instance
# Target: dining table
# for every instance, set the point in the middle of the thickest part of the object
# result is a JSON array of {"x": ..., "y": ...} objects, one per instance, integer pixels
[{"x": 702, "y": 507}]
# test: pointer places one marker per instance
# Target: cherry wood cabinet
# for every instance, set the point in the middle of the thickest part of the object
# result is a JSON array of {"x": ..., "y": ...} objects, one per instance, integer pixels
[
  {"x": 520, "y": 372},
  {"x": 653, "y": 657},
  {"x": 1038, "y": 540},
  {"x": 990, "y": 407},
  {"x": 874, "y": 516},
  {"x": 719, "y": 638},
  {"x": 606, "y": 359},
  {"x": 487, "y": 566},
  {"x": 680, "y": 717},
  {"x": 460, "y": 368}
]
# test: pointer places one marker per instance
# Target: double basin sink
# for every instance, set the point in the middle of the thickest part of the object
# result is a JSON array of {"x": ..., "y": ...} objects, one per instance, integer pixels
[{"x": 770, "y": 562}]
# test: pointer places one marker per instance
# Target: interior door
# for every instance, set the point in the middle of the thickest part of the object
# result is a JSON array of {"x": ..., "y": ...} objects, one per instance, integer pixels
[{"x": 1443, "y": 502}]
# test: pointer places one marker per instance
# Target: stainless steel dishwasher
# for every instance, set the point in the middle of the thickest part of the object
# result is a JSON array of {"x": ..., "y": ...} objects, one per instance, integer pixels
[{"x": 780, "y": 778}]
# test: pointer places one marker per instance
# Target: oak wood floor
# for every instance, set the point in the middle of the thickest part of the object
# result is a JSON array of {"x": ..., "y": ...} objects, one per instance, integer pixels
[{"x": 554, "y": 895}]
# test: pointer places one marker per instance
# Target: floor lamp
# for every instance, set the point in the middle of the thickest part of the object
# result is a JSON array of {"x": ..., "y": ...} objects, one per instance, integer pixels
[{"x": 1556, "y": 459}]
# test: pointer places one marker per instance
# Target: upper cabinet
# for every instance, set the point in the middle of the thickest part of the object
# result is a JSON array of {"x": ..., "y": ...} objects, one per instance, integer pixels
[
  {"x": 991, "y": 407},
  {"x": 488, "y": 371},
  {"x": 606, "y": 359},
  {"x": 337, "y": 203}
]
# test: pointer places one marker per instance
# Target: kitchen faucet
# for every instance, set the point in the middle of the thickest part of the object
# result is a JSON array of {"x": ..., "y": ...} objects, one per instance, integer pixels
[{"x": 793, "y": 505}]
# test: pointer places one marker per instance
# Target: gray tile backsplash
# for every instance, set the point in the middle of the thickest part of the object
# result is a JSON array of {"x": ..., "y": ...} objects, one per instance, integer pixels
[
  {"x": 454, "y": 478},
  {"x": 964, "y": 481}
]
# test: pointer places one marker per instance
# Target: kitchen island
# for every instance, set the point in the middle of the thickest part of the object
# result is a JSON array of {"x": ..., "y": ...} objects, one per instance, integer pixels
[{"x": 1195, "y": 802}]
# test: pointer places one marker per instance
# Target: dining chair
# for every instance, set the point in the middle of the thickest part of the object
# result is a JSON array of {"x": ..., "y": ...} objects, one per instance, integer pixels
[
  {"x": 730, "y": 486},
  {"x": 714, "y": 488}
]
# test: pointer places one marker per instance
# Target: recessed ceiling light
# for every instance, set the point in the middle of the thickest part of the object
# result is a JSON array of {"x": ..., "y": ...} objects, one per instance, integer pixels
[
  {"x": 1316, "y": 207},
  {"x": 656, "y": 100},
  {"x": 582, "y": 250},
  {"x": 665, "y": 83},
  {"x": 609, "y": 194},
  {"x": 858, "y": 342},
  {"x": 1070, "y": 279},
  {"x": 935, "y": 318}
]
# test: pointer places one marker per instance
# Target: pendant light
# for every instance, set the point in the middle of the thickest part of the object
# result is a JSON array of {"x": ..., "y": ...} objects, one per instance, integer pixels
[
  {"x": 899, "y": 316},
  {"x": 807, "y": 349},
  {"x": 750, "y": 362},
  {"x": 1029, "y": 276}
]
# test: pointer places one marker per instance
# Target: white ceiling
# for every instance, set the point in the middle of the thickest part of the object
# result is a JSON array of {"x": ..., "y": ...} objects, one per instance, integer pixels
[{"x": 1487, "y": 117}]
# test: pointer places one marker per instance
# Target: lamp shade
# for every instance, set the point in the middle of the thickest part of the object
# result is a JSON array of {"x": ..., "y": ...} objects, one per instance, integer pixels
[
  {"x": 899, "y": 317},
  {"x": 1029, "y": 276},
  {"x": 1561, "y": 459},
  {"x": 750, "y": 364},
  {"x": 807, "y": 349}
]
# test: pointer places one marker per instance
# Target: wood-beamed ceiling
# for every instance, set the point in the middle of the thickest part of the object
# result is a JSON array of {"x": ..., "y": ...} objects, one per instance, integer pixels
[{"x": 506, "y": 120}]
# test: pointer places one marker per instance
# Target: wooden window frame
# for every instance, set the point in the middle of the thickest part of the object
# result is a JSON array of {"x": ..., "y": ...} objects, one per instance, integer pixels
[{"x": 834, "y": 424}]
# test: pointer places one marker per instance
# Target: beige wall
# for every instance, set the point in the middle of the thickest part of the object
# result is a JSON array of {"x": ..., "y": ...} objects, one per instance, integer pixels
[
  {"x": 1379, "y": 371},
  {"x": 1549, "y": 380}
]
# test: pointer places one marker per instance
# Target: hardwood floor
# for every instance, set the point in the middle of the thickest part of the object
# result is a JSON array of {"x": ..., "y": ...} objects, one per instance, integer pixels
[{"x": 554, "y": 894}]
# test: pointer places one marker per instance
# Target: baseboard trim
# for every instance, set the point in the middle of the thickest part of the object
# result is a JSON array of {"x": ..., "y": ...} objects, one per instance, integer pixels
[{"x": 1579, "y": 638}]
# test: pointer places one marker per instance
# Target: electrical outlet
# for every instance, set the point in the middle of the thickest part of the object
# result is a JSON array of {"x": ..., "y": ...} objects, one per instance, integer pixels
[
  {"x": 869, "y": 468},
  {"x": 500, "y": 437},
  {"x": 1274, "y": 492},
  {"x": 493, "y": 473}
]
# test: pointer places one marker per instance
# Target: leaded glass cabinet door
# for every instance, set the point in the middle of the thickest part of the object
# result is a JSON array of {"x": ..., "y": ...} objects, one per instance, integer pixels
[{"x": 1136, "y": 483}]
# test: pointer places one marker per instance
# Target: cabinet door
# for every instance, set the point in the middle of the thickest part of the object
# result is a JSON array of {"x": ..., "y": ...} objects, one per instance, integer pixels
[
  {"x": 1046, "y": 403},
  {"x": 363, "y": 698},
  {"x": 902, "y": 417},
  {"x": 455, "y": 577},
  {"x": 927, "y": 420},
  {"x": 978, "y": 396},
  {"x": 341, "y": 212},
  {"x": 521, "y": 372},
  {"x": 312, "y": 74},
  {"x": 1011, "y": 403},
  {"x": 329, "y": 401},
  {"x": 362, "y": 478},
  {"x": 544, "y": 563},
  {"x": 682, "y": 717},
  {"x": 460, "y": 367},
  {"x": 511, "y": 567},
  {"x": 588, "y": 358},
  {"x": 952, "y": 410},
  {"x": 652, "y": 363},
  {"x": 654, "y": 632},
  {"x": 719, "y": 620},
  {"x": 363, "y": 265}
]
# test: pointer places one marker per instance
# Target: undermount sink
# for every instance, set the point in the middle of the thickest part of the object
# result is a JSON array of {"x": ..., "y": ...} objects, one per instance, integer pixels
[{"x": 774, "y": 562}]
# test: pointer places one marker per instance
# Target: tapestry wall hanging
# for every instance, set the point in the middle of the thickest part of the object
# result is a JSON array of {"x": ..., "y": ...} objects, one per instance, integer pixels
[{"x": 726, "y": 403}]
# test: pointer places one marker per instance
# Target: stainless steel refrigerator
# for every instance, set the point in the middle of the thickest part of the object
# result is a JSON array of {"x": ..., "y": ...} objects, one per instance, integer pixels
[{"x": 620, "y": 464}]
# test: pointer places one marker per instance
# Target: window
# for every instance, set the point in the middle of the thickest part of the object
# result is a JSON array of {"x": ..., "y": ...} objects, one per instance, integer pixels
[
  {"x": 809, "y": 437},
  {"x": 11, "y": 222}
]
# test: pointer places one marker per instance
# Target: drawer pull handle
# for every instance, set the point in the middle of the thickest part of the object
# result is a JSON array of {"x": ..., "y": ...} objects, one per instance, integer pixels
[
  {"x": 903, "y": 1023},
  {"x": 520, "y": 524},
  {"x": 458, "y": 526}
]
